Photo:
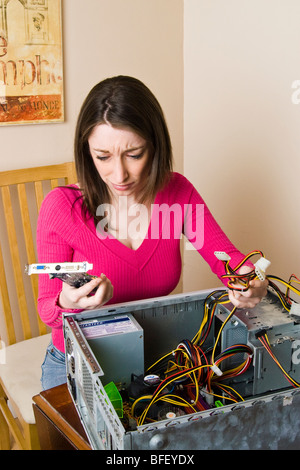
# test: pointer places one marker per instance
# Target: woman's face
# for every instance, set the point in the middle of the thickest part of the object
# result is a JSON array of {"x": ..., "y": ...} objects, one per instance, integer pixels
[{"x": 121, "y": 157}]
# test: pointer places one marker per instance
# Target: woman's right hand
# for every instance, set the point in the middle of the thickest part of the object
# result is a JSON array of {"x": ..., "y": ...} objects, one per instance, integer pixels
[{"x": 79, "y": 298}]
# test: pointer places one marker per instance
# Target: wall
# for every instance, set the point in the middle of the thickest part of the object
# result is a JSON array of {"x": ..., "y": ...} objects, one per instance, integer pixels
[
  {"x": 103, "y": 38},
  {"x": 241, "y": 127}
]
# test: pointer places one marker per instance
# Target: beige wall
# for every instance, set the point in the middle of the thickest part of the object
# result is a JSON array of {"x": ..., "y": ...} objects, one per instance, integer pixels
[
  {"x": 241, "y": 128},
  {"x": 103, "y": 38}
]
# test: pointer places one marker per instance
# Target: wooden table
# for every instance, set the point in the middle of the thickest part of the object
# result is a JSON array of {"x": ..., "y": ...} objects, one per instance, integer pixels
[{"x": 58, "y": 424}]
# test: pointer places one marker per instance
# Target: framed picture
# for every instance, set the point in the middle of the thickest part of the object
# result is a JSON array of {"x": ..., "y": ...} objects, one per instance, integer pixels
[{"x": 31, "y": 63}]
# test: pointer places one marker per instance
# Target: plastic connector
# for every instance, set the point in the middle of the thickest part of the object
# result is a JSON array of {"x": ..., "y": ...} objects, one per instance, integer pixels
[
  {"x": 222, "y": 256},
  {"x": 260, "y": 268},
  {"x": 260, "y": 333},
  {"x": 295, "y": 310},
  {"x": 216, "y": 370}
]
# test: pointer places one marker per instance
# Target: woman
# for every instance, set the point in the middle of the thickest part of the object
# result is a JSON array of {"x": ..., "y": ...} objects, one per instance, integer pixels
[{"x": 125, "y": 216}]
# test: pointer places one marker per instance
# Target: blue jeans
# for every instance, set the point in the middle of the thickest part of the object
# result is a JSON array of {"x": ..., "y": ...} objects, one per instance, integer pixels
[{"x": 53, "y": 368}]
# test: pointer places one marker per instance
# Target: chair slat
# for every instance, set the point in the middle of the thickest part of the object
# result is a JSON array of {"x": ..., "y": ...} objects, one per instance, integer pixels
[
  {"x": 71, "y": 174},
  {"x": 54, "y": 183},
  {"x": 41, "y": 325},
  {"x": 39, "y": 194},
  {"x": 6, "y": 304},
  {"x": 18, "y": 272},
  {"x": 26, "y": 223},
  {"x": 29, "y": 248}
]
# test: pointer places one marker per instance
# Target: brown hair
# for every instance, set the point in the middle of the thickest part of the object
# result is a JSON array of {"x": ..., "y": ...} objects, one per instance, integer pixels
[{"x": 122, "y": 102}]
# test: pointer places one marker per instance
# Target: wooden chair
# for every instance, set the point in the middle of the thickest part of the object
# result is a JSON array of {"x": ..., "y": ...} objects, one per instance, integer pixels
[{"x": 24, "y": 337}]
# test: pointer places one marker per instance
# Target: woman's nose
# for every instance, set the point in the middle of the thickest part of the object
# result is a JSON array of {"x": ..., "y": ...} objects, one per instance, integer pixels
[{"x": 120, "y": 172}]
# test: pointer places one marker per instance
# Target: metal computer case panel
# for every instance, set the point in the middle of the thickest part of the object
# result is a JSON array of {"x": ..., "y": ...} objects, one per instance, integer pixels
[{"x": 269, "y": 421}]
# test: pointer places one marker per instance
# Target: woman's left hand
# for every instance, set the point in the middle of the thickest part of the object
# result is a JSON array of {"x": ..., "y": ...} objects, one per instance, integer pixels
[{"x": 252, "y": 296}]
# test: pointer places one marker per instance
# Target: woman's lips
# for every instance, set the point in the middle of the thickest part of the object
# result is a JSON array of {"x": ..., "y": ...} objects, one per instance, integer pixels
[{"x": 122, "y": 187}]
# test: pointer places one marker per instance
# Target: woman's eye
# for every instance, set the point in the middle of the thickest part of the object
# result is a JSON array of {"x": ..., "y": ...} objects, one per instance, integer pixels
[
  {"x": 136, "y": 157},
  {"x": 102, "y": 159}
]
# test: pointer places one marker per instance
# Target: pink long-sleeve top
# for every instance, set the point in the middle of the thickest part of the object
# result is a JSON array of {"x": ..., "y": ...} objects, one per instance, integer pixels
[{"x": 150, "y": 271}]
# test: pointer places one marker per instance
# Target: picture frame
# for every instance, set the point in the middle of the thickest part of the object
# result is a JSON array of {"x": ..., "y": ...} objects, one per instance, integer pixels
[{"x": 31, "y": 62}]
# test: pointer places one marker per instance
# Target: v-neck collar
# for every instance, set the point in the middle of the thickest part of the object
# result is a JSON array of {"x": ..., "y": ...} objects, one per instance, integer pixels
[{"x": 136, "y": 258}]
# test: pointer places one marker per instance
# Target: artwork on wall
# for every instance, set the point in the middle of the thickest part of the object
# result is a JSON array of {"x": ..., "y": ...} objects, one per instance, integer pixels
[{"x": 31, "y": 66}]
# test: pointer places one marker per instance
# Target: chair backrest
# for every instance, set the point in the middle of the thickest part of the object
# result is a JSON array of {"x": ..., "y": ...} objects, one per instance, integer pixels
[{"x": 22, "y": 192}]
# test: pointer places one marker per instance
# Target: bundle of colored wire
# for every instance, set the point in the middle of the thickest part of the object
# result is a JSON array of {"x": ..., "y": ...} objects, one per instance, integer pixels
[
  {"x": 293, "y": 278},
  {"x": 240, "y": 282},
  {"x": 284, "y": 298},
  {"x": 213, "y": 380},
  {"x": 198, "y": 402},
  {"x": 210, "y": 306},
  {"x": 189, "y": 363},
  {"x": 172, "y": 398},
  {"x": 228, "y": 393},
  {"x": 191, "y": 357},
  {"x": 263, "y": 338},
  {"x": 183, "y": 352}
]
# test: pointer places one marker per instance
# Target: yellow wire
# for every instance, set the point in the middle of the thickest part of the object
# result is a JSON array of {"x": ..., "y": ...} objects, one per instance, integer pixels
[
  {"x": 233, "y": 371},
  {"x": 297, "y": 291},
  {"x": 205, "y": 316},
  {"x": 163, "y": 357},
  {"x": 219, "y": 333},
  {"x": 143, "y": 397},
  {"x": 168, "y": 400},
  {"x": 221, "y": 396},
  {"x": 253, "y": 253},
  {"x": 167, "y": 383},
  {"x": 183, "y": 402},
  {"x": 280, "y": 366},
  {"x": 227, "y": 386}
]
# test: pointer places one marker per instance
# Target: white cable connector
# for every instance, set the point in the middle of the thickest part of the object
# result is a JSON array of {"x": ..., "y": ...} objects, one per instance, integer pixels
[
  {"x": 295, "y": 309},
  {"x": 53, "y": 268},
  {"x": 222, "y": 256},
  {"x": 260, "y": 268},
  {"x": 216, "y": 370}
]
